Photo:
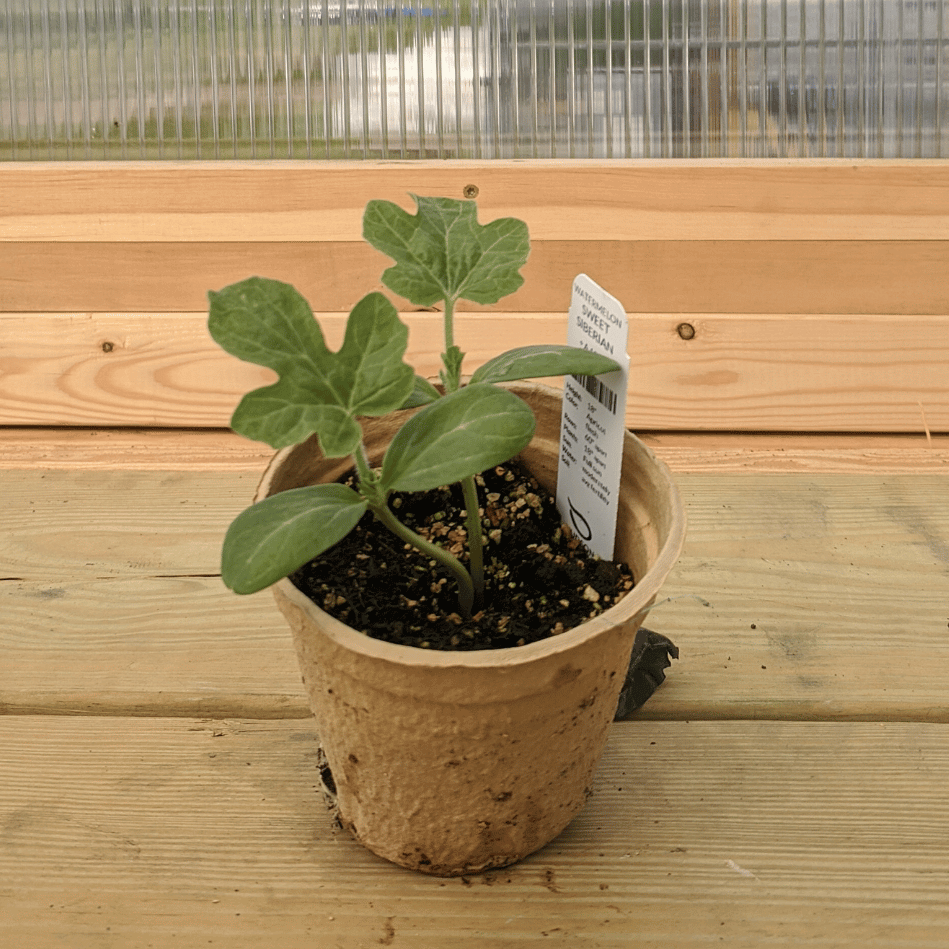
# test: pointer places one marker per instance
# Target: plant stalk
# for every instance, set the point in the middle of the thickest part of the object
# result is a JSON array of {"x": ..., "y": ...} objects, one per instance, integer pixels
[
  {"x": 362, "y": 464},
  {"x": 452, "y": 376},
  {"x": 475, "y": 540},
  {"x": 466, "y": 591},
  {"x": 449, "y": 322}
]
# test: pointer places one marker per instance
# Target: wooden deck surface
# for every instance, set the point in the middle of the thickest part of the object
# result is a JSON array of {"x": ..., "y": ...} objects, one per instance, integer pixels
[{"x": 786, "y": 786}]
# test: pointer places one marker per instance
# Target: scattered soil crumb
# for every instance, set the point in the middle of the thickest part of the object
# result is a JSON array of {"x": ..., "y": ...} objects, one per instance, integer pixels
[{"x": 539, "y": 579}]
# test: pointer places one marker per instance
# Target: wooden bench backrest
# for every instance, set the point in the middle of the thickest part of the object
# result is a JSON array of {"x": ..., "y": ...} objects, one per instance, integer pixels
[{"x": 816, "y": 293}]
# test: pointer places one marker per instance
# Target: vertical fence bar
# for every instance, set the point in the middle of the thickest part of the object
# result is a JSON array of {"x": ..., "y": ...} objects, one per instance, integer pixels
[
  {"x": 383, "y": 85},
  {"x": 571, "y": 80},
  {"x": 841, "y": 55},
  {"x": 532, "y": 79},
  {"x": 919, "y": 77},
  {"x": 940, "y": 77},
  {"x": 174, "y": 41},
  {"x": 822, "y": 79},
  {"x": 9, "y": 114},
  {"x": 667, "y": 146},
  {"x": 458, "y": 104},
  {"x": 215, "y": 77},
  {"x": 364, "y": 79},
  {"x": 477, "y": 80},
  {"x": 900, "y": 82},
  {"x": 881, "y": 72},
  {"x": 287, "y": 20},
  {"x": 726, "y": 65},
  {"x": 590, "y": 73},
  {"x": 803, "y": 138},
  {"x": 14, "y": 87},
  {"x": 103, "y": 35},
  {"x": 705, "y": 131},
  {"x": 268, "y": 73},
  {"x": 438, "y": 85},
  {"x": 647, "y": 120},
  {"x": 608, "y": 78},
  {"x": 552, "y": 79},
  {"x": 32, "y": 122},
  {"x": 682, "y": 129}
]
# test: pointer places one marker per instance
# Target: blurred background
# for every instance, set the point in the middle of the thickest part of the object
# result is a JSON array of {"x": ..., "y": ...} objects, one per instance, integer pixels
[{"x": 94, "y": 79}]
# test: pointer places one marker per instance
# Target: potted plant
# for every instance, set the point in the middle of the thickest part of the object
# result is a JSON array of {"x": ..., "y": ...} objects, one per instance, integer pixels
[{"x": 446, "y": 761}]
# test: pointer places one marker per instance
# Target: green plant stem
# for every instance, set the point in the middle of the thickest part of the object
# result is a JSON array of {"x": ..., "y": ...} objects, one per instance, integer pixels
[
  {"x": 377, "y": 500},
  {"x": 452, "y": 379},
  {"x": 450, "y": 563},
  {"x": 475, "y": 540},
  {"x": 449, "y": 321},
  {"x": 362, "y": 464}
]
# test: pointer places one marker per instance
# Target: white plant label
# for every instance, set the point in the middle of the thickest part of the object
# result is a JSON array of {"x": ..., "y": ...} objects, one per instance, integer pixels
[{"x": 593, "y": 421}]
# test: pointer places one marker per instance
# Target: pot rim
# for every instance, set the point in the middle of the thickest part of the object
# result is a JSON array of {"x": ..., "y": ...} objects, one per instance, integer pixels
[{"x": 636, "y": 602}]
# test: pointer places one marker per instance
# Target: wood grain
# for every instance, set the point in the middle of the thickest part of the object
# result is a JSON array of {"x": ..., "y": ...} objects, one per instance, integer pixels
[
  {"x": 214, "y": 450},
  {"x": 828, "y": 599},
  {"x": 672, "y": 276},
  {"x": 756, "y": 372},
  {"x": 575, "y": 200},
  {"x": 130, "y": 832}
]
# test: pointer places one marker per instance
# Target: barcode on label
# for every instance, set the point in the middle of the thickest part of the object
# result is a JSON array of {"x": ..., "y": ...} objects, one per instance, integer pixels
[{"x": 603, "y": 394}]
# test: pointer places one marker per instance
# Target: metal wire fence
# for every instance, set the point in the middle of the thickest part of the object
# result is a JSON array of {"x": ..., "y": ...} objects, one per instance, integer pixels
[{"x": 85, "y": 79}]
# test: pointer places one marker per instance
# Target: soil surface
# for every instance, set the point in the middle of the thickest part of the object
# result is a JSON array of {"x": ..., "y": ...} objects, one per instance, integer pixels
[{"x": 539, "y": 579}]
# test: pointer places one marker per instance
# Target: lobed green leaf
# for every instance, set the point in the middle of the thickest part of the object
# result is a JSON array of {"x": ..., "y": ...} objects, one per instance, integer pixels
[
  {"x": 269, "y": 323},
  {"x": 530, "y": 362},
  {"x": 456, "y": 437},
  {"x": 276, "y": 536},
  {"x": 282, "y": 415},
  {"x": 443, "y": 253}
]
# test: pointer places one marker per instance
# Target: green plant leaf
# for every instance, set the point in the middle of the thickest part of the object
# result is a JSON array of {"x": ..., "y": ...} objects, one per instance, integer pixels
[
  {"x": 423, "y": 392},
  {"x": 443, "y": 253},
  {"x": 281, "y": 415},
  {"x": 269, "y": 323},
  {"x": 529, "y": 362},
  {"x": 456, "y": 437},
  {"x": 278, "y": 535}
]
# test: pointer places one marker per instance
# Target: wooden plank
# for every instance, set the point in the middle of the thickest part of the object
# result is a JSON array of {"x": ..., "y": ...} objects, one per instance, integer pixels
[
  {"x": 90, "y": 524},
  {"x": 717, "y": 453},
  {"x": 144, "y": 645},
  {"x": 828, "y": 599},
  {"x": 742, "y": 373},
  {"x": 214, "y": 450},
  {"x": 800, "y": 373},
  {"x": 575, "y": 200},
  {"x": 672, "y": 276},
  {"x": 127, "y": 833}
]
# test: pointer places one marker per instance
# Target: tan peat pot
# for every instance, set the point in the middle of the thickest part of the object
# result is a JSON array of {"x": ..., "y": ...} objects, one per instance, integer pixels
[{"x": 455, "y": 762}]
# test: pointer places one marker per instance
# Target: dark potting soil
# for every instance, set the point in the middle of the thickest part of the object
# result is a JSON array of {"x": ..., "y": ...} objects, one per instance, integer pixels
[{"x": 539, "y": 579}]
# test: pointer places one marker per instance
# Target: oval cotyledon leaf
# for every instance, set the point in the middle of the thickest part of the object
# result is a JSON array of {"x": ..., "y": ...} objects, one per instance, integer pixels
[
  {"x": 456, "y": 437},
  {"x": 273, "y": 538},
  {"x": 531, "y": 362}
]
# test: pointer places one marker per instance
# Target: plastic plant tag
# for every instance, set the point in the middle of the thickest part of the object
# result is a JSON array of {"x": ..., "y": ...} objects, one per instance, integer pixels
[{"x": 593, "y": 421}]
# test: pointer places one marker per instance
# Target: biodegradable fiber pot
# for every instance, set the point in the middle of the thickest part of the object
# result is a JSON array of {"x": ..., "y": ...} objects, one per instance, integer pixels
[{"x": 455, "y": 762}]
